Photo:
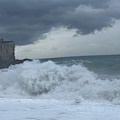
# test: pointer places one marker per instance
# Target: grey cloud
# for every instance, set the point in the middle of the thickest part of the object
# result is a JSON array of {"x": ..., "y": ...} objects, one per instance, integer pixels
[{"x": 24, "y": 21}]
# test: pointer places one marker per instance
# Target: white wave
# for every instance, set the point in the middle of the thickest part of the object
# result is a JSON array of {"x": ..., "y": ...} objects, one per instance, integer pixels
[{"x": 49, "y": 80}]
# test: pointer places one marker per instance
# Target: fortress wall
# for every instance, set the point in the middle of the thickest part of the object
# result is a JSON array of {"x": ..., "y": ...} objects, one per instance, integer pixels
[{"x": 7, "y": 52}]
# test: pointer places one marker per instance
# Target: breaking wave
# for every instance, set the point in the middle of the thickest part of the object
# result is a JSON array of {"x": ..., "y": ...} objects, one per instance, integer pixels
[{"x": 50, "y": 80}]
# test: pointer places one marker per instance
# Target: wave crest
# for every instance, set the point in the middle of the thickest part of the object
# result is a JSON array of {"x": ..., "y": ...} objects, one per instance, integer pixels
[{"x": 51, "y": 80}]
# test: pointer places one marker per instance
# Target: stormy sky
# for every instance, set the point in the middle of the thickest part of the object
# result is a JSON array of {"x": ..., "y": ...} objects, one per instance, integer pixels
[{"x": 54, "y": 28}]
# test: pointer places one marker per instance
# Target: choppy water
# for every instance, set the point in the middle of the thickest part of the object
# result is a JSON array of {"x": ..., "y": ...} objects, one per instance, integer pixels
[
  {"x": 101, "y": 65},
  {"x": 92, "y": 78}
]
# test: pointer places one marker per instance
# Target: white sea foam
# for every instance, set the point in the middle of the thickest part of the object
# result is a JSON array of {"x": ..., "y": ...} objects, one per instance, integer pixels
[{"x": 49, "y": 80}]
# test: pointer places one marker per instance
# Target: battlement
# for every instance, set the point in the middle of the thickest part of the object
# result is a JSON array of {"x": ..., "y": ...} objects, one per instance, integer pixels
[{"x": 7, "y": 49}]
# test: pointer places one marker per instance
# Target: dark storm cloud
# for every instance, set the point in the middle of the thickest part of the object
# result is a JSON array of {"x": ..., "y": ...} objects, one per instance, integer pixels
[{"x": 24, "y": 21}]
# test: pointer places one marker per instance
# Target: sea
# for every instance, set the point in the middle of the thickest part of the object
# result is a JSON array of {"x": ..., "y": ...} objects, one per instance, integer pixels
[{"x": 87, "y": 78}]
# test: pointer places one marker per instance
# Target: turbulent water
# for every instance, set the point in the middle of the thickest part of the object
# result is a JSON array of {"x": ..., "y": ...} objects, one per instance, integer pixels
[{"x": 90, "y": 78}]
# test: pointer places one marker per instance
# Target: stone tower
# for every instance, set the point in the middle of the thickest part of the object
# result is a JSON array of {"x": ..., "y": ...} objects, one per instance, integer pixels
[{"x": 7, "y": 51}]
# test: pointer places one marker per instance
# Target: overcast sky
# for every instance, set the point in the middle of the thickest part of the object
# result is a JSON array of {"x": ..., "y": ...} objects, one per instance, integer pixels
[{"x": 56, "y": 28}]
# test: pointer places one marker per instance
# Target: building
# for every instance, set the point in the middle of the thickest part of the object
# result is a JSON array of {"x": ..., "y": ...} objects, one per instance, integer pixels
[{"x": 7, "y": 49}]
